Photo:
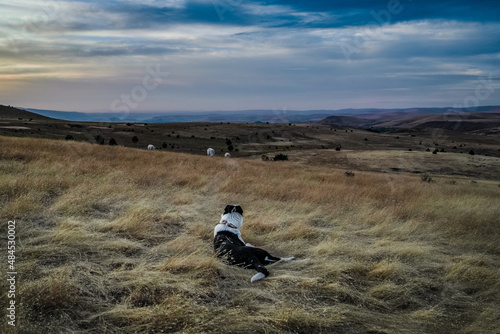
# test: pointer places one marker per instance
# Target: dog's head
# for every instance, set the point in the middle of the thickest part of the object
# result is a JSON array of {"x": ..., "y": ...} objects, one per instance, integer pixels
[{"x": 233, "y": 208}]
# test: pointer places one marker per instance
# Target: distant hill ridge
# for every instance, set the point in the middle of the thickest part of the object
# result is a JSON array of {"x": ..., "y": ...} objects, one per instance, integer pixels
[
  {"x": 481, "y": 119},
  {"x": 487, "y": 121},
  {"x": 9, "y": 112}
]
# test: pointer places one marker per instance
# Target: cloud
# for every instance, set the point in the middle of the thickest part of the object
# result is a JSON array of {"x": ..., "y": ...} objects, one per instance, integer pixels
[
  {"x": 226, "y": 54},
  {"x": 355, "y": 13}
]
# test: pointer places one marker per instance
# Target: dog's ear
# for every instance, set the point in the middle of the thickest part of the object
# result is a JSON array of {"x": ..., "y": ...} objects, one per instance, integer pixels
[
  {"x": 228, "y": 209},
  {"x": 238, "y": 209}
]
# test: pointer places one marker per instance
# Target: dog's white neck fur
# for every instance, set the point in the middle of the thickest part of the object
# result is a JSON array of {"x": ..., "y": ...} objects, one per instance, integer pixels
[{"x": 230, "y": 222}]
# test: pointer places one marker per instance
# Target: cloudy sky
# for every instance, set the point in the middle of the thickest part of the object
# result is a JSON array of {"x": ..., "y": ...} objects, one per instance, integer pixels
[{"x": 176, "y": 55}]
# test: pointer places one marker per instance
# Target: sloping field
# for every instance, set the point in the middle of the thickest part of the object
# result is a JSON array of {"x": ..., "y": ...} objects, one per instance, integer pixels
[{"x": 118, "y": 240}]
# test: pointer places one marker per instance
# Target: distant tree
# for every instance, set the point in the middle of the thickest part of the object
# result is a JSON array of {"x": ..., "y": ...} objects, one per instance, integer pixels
[
  {"x": 112, "y": 141},
  {"x": 230, "y": 148},
  {"x": 135, "y": 139},
  {"x": 471, "y": 152},
  {"x": 69, "y": 137},
  {"x": 164, "y": 145}
]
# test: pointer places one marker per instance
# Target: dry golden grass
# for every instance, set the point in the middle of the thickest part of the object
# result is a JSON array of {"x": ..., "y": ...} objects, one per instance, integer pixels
[{"x": 117, "y": 240}]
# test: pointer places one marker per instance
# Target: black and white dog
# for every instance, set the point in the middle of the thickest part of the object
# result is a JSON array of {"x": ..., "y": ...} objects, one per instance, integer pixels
[{"x": 229, "y": 245}]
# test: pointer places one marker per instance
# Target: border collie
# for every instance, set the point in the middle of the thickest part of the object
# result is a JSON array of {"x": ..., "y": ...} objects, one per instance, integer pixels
[{"x": 229, "y": 245}]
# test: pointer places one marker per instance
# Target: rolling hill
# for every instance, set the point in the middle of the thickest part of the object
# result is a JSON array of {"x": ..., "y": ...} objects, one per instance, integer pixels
[
  {"x": 343, "y": 144},
  {"x": 253, "y": 116},
  {"x": 13, "y": 113},
  {"x": 486, "y": 123}
]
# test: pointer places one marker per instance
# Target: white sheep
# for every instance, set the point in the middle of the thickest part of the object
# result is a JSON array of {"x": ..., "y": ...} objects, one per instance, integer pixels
[
  {"x": 151, "y": 147},
  {"x": 227, "y": 155},
  {"x": 210, "y": 152}
]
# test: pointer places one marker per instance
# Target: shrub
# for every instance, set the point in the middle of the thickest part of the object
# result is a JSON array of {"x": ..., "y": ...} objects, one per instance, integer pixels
[
  {"x": 135, "y": 139},
  {"x": 69, "y": 137},
  {"x": 426, "y": 178},
  {"x": 280, "y": 157},
  {"x": 112, "y": 141}
]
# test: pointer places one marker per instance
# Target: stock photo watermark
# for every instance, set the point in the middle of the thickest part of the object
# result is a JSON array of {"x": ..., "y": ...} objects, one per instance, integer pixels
[
  {"x": 485, "y": 87},
  {"x": 48, "y": 11},
  {"x": 366, "y": 33},
  {"x": 139, "y": 93},
  {"x": 224, "y": 6},
  {"x": 11, "y": 273}
]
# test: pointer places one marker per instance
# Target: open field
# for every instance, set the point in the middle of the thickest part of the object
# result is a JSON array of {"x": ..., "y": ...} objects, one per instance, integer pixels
[
  {"x": 308, "y": 143},
  {"x": 118, "y": 240}
]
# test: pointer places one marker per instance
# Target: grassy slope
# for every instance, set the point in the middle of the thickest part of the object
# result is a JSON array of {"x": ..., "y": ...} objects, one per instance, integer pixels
[{"x": 117, "y": 240}]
